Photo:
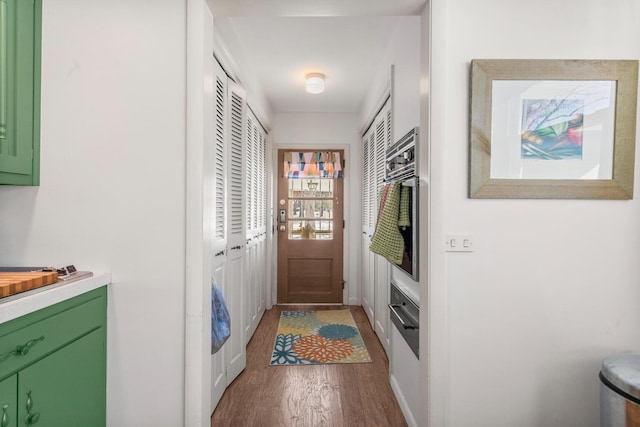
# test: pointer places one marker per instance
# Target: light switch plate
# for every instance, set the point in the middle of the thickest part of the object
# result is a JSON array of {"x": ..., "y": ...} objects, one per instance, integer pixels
[{"x": 459, "y": 243}]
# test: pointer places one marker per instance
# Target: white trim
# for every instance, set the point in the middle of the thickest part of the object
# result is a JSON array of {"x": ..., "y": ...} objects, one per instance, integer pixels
[
  {"x": 197, "y": 369},
  {"x": 386, "y": 95},
  {"x": 402, "y": 401},
  {"x": 222, "y": 55},
  {"x": 434, "y": 324}
]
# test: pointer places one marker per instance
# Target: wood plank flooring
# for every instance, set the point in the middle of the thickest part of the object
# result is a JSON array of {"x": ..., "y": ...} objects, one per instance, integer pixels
[{"x": 312, "y": 395}]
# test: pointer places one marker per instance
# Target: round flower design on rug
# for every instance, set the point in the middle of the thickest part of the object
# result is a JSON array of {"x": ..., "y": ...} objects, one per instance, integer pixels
[
  {"x": 282, "y": 351},
  {"x": 319, "y": 349},
  {"x": 337, "y": 332}
]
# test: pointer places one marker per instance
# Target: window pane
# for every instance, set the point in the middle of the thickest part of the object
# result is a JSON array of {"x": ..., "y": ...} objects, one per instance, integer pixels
[
  {"x": 309, "y": 209},
  {"x": 311, "y": 230},
  {"x": 310, "y": 188}
]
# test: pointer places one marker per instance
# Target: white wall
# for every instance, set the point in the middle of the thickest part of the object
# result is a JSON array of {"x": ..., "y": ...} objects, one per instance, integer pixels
[
  {"x": 113, "y": 187},
  {"x": 403, "y": 53},
  {"x": 332, "y": 130},
  {"x": 231, "y": 54},
  {"x": 553, "y": 285}
]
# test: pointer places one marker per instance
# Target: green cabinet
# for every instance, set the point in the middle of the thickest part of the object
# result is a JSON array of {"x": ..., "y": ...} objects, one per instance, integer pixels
[
  {"x": 20, "y": 51},
  {"x": 53, "y": 365},
  {"x": 9, "y": 402}
]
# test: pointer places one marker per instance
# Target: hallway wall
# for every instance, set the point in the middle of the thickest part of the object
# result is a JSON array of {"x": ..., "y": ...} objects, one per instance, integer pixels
[
  {"x": 403, "y": 53},
  {"x": 112, "y": 197},
  {"x": 553, "y": 285}
]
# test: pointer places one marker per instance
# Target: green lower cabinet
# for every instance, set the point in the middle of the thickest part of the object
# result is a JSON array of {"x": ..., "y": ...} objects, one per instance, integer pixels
[
  {"x": 66, "y": 388},
  {"x": 53, "y": 365},
  {"x": 9, "y": 402}
]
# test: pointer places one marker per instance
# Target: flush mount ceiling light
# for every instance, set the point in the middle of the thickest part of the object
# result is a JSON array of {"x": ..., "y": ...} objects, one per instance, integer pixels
[{"x": 315, "y": 83}]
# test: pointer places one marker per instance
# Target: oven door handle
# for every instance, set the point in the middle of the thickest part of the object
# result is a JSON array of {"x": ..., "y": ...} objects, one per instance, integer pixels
[
  {"x": 404, "y": 324},
  {"x": 411, "y": 182}
]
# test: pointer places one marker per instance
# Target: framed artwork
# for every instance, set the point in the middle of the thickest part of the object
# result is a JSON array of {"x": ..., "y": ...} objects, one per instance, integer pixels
[{"x": 552, "y": 129}]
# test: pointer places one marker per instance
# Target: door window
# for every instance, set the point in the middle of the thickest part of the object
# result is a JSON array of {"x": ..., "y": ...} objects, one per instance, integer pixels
[{"x": 310, "y": 209}]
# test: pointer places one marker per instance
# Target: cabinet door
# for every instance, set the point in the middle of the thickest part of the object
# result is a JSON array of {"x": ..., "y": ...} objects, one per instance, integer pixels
[
  {"x": 9, "y": 402},
  {"x": 19, "y": 91},
  {"x": 68, "y": 387}
]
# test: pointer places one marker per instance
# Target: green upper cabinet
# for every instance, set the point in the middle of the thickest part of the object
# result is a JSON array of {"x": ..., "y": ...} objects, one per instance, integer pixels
[{"x": 20, "y": 48}]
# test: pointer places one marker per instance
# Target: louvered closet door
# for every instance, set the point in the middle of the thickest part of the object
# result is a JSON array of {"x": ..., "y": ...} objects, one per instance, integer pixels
[
  {"x": 367, "y": 276},
  {"x": 375, "y": 276},
  {"x": 236, "y": 229},
  {"x": 255, "y": 245},
  {"x": 382, "y": 266},
  {"x": 218, "y": 155},
  {"x": 250, "y": 257},
  {"x": 262, "y": 222}
]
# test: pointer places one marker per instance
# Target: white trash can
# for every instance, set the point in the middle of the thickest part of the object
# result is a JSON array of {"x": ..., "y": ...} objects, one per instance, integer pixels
[{"x": 620, "y": 391}]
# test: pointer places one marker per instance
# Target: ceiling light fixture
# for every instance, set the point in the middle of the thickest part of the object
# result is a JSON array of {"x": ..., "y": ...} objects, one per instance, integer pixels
[{"x": 315, "y": 83}]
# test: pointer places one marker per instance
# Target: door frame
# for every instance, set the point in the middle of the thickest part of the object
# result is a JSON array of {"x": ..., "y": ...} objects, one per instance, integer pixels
[
  {"x": 350, "y": 259},
  {"x": 337, "y": 240}
]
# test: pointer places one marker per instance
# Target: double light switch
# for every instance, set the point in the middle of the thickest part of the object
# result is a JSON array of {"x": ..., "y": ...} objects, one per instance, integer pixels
[{"x": 459, "y": 243}]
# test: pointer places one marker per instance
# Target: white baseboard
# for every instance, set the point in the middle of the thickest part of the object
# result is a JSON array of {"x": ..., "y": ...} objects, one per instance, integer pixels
[{"x": 406, "y": 411}]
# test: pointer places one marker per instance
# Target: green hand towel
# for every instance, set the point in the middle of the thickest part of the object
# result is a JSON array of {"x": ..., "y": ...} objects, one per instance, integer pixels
[
  {"x": 403, "y": 220},
  {"x": 387, "y": 240}
]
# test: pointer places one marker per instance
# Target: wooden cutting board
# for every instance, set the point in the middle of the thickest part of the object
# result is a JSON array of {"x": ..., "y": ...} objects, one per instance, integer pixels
[{"x": 12, "y": 283}]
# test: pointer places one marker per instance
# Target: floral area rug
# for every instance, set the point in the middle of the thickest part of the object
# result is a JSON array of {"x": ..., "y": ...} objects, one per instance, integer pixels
[{"x": 317, "y": 337}]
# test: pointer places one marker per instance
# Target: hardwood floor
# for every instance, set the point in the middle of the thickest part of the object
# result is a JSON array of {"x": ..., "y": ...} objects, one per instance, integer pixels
[{"x": 312, "y": 395}]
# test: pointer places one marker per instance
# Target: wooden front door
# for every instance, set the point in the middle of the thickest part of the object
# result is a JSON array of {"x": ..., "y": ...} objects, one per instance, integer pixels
[{"x": 310, "y": 238}]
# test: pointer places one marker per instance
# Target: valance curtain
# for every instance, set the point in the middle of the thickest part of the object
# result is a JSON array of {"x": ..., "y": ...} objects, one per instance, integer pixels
[{"x": 317, "y": 164}]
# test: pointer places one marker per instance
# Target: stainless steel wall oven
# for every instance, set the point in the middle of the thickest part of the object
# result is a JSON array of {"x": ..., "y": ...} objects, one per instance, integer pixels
[{"x": 401, "y": 166}]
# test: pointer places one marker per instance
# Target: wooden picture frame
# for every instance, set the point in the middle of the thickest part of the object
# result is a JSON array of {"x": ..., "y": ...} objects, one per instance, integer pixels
[{"x": 552, "y": 129}]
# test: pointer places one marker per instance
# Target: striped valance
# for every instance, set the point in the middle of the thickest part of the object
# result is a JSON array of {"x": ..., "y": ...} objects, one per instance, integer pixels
[{"x": 315, "y": 164}]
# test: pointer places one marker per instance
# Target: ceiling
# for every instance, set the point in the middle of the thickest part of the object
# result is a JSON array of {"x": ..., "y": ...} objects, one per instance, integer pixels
[{"x": 283, "y": 40}]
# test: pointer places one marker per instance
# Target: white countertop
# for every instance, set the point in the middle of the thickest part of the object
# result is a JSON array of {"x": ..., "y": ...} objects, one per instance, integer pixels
[{"x": 37, "y": 299}]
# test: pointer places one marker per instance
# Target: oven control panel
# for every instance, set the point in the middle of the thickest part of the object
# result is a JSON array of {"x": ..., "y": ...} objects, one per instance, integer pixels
[{"x": 401, "y": 157}]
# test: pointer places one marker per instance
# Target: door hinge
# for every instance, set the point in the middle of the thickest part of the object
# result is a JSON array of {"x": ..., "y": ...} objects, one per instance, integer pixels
[
  {"x": 343, "y": 223},
  {"x": 342, "y": 282}
]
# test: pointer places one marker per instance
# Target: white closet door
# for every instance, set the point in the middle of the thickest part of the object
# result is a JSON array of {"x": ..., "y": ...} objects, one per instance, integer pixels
[
  {"x": 236, "y": 235},
  {"x": 255, "y": 252},
  {"x": 250, "y": 253},
  {"x": 367, "y": 278},
  {"x": 375, "y": 269},
  {"x": 382, "y": 268},
  {"x": 262, "y": 222},
  {"x": 219, "y": 243}
]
